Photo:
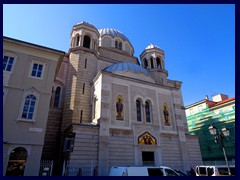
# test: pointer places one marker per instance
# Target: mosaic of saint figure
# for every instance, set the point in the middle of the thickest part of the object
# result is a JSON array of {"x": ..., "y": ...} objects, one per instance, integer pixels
[
  {"x": 119, "y": 107},
  {"x": 166, "y": 114}
]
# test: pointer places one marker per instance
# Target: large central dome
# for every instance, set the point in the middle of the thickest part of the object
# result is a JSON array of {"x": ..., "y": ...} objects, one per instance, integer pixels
[
  {"x": 126, "y": 66},
  {"x": 113, "y": 33}
]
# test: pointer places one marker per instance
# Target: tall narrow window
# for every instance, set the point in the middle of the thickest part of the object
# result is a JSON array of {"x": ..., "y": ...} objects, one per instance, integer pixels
[
  {"x": 139, "y": 111},
  {"x": 7, "y": 63},
  {"x": 83, "y": 88},
  {"x": 57, "y": 97},
  {"x": 158, "y": 63},
  {"x": 151, "y": 60},
  {"x": 28, "y": 108},
  {"x": 145, "y": 64},
  {"x": 86, "y": 41},
  {"x": 116, "y": 44},
  {"x": 120, "y": 45},
  {"x": 77, "y": 40},
  {"x": 81, "y": 116},
  {"x": 148, "y": 111},
  {"x": 85, "y": 66}
]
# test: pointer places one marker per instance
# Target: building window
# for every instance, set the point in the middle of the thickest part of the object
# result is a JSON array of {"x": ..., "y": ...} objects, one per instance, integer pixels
[
  {"x": 116, "y": 44},
  {"x": 145, "y": 64},
  {"x": 158, "y": 63},
  {"x": 120, "y": 45},
  {"x": 148, "y": 111},
  {"x": 7, "y": 63},
  {"x": 83, "y": 88},
  {"x": 139, "y": 110},
  {"x": 85, "y": 66},
  {"x": 57, "y": 97},
  {"x": 77, "y": 40},
  {"x": 151, "y": 60},
  {"x": 28, "y": 108},
  {"x": 86, "y": 41},
  {"x": 17, "y": 162},
  {"x": 81, "y": 116},
  {"x": 37, "y": 70}
]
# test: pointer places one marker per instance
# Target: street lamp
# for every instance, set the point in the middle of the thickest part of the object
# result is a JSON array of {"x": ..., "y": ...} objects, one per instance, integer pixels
[{"x": 218, "y": 138}]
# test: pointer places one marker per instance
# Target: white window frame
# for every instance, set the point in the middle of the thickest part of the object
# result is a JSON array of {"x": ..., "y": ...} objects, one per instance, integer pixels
[
  {"x": 31, "y": 68},
  {"x": 25, "y": 94},
  {"x": 10, "y": 54}
]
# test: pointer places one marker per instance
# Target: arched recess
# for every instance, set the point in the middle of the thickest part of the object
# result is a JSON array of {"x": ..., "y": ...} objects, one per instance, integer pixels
[
  {"x": 148, "y": 111},
  {"x": 147, "y": 138},
  {"x": 139, "y": 110},
  {"x": 57, "y": 97},
  {"x": 166, "y": 115},
  {"x": 86, "y": 41},
  {"x": 151, "y": 61},
  {"x": 17, "y": 161},
  {"x": 158, "y": 61},
  {"x": 119, "y": 108},
  {"x": 77, "y": 40},
  {"x": 145, "y": 63}
]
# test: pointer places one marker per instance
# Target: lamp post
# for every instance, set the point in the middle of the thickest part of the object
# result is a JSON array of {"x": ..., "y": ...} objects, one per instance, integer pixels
[{"x": 219, "y": 135}]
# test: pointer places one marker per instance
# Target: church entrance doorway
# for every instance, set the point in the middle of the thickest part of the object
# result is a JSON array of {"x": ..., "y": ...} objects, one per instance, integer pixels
[{"x": 148, "y": 158}]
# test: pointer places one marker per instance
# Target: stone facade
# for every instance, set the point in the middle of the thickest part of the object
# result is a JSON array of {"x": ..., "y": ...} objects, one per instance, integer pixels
[{"x": 101, "y": 70}]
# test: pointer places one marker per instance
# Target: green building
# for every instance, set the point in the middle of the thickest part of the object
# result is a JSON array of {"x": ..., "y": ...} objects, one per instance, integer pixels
[{"x": 220, "y": 112}]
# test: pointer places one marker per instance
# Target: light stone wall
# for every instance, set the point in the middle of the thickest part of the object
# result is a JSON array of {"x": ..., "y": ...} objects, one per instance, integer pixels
[
  {"x": 85, "y": 152},
  {"x": 18, "y": 132}
]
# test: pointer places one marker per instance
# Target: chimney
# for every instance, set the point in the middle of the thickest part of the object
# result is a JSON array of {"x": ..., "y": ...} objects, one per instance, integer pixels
[{"x": 219, "y": 97}]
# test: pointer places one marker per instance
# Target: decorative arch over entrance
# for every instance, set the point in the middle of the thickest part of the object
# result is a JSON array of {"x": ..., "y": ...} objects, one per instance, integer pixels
[
  {"x": 17, "y": 162},
  {"x": 147, "y": 138}
]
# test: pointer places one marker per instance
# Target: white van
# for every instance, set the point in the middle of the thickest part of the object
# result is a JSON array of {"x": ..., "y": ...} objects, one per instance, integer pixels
[
  {"x": 216, "y": 170},
  {"x": 143, "y": 171}
]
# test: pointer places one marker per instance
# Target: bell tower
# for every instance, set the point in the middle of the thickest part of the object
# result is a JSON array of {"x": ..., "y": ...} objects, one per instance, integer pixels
[
  {"x": 83, "y": 55},
  {"x": 152, "y": 59}
]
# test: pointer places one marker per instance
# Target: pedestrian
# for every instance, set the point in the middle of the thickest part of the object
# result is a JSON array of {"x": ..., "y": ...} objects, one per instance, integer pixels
[{"x": 191, "y": 172}]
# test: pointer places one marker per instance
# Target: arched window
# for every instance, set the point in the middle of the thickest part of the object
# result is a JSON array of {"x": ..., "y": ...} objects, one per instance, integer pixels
[
  {"x": 151, "y": 60},
  {"x": 57, "y": 97},
  {"x": 158, "y": 63},
  {"x": 148, "y": 111},
  {"x": 17, "y": 162},
  {"x": 139, "y": 110},
  {"x": 120, "y": 45},
  {"x": 116, "y": 44},
  {"x": 119, "y": 108},
  {"x": 145, "y": 63},
  {"x": 86, "y": 41},
  {"x": 29, "y": 106},
  {"x": 77, "y": 40}
]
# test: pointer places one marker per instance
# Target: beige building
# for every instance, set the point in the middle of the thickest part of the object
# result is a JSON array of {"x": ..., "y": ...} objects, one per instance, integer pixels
[
  {"x": 112, "y": 109},
  {"x": 28, "y": 74}
]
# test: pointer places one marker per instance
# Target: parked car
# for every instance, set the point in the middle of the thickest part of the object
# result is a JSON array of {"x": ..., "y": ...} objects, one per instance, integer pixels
[
  {"x": 143, "y": 171},
  {"x": 180, "y": 172},
  {"x": 217, "y": 170}
]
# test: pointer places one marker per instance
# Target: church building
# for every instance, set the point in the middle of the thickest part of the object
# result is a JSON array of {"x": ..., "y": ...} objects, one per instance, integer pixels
[{"x": 109, "y": 108}]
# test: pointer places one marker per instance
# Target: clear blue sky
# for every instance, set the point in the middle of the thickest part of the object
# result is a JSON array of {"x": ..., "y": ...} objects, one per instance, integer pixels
[{"x": 198, "y": 40}]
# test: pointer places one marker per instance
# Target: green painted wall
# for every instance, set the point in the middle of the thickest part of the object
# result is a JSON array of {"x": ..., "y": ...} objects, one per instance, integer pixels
[{"x": 199, "y": 123}]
